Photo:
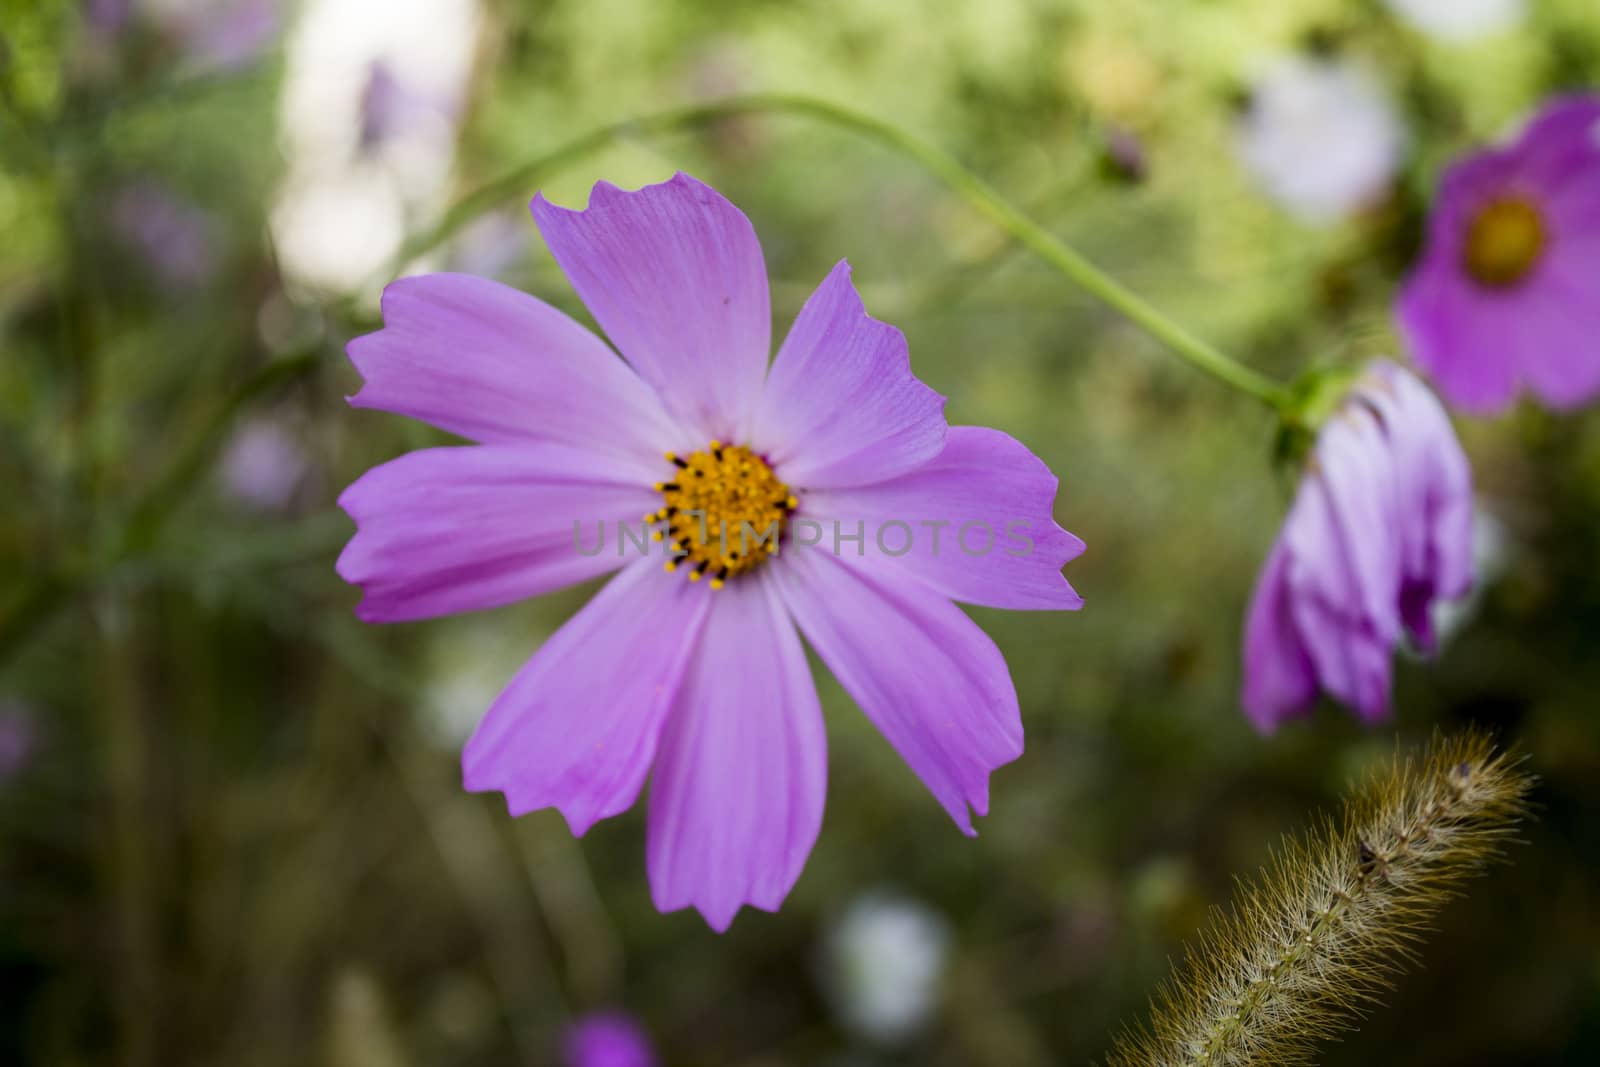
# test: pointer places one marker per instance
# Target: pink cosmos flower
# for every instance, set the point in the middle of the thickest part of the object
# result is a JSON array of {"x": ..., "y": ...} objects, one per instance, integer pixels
[
  {"x": 689, "y": 661},
  {"x": 1508, "y": 287},
  {"x": 607, "y": 1039},
  {"x": 1380, "y": 530}
]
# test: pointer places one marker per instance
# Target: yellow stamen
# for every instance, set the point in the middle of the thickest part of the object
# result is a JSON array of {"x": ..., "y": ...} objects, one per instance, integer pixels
[
  {"x": 1505, "y": 241},
  {"x": 719, "y": 506}
]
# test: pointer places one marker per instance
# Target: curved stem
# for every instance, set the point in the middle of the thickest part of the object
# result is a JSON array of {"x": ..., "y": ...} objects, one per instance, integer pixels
[{"x": 974, "y": 190}]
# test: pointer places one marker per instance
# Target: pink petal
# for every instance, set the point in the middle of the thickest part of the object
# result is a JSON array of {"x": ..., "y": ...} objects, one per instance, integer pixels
[
  {"x": 736, "y": 800},
  {"x": 1279, "y": 680},
  {"x": 1344, "y": 529},
  {"x": 445, "y": 530},
  {"x": 1351, "y": 661},
  {"x": 1434, "y": 484},
  {"x": 492, "y": 364},
  {"x": 1558, "y": 145},
  {"x": 975, "y": 523},
  {"x": 577, "y": 727},
  {"x": 1558, "y": 332},
  {"x": 674, "y": 275},
  {"x": 1462, "y": 337},
  {"x": 841, "y": 407},
  {"x": 925, "y": 674}
]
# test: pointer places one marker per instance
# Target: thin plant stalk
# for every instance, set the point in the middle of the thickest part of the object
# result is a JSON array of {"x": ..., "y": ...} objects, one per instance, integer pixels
[
  {"x": 1320, "y": 934},
  {"x": 982, "y": 197}
]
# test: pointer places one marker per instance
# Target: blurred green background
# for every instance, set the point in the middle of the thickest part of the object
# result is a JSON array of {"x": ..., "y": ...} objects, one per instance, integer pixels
[{"x": 231, "y": 825}]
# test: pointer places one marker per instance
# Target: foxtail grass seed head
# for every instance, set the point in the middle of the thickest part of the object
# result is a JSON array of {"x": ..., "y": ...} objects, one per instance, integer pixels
[{"x": 1335, "y": 915}]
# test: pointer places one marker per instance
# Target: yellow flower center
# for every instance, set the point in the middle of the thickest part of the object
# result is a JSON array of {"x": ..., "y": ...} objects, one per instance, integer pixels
[
  {"x": 723, "y": 513},
  {"x": 1504, "y": 243}
]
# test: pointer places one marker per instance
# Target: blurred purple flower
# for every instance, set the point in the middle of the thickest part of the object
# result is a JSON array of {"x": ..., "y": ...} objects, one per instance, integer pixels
[
  {"x": 390, "y": 106},
  {"x": 263, "y": 465},
  {"x": 607, "y": 1039},
  {"x": 1123, "y": 155},
  {"x": 1507, "y": 291},
  {"x": 168, "y": 232},
  {"x": 106, "y": 18},
  {"x": 710, "y": 688},
  {"x": 17, "y": 738},
  {"x": 490, "y": 246},
  {"x": 1380, "y": 529},
  {"x": 224, "y": 34}
]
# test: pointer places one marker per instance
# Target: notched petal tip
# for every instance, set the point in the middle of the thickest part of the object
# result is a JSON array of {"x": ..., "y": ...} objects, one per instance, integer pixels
[{"x": 604, "y": 194}]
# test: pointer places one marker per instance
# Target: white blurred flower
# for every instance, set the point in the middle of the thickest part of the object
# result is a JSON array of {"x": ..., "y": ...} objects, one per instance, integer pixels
[
  {"x": 468, "y": 666},
  {"x": 885, "y": 960},
  {"x": 264, "y": 464},
  {"x": 371, "y": 97},
  {"x": 1321, "y": 136},
  {"x": 1461, "y": 20}
]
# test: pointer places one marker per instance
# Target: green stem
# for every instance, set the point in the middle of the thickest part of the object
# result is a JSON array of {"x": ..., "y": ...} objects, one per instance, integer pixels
[
  {"x": 157, "y": 505},
  {"x": 43, "y": 595},
  {"x": 974, "y": 190}
]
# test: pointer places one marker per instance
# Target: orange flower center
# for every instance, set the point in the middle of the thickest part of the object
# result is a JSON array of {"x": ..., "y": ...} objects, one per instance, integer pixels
[
  {"x": 1504, "y": 243},
  {"x": 723, "y": 512}
]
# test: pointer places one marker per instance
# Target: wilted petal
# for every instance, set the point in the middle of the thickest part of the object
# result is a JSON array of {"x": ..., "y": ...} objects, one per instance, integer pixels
[
  {"x": 841, "y": 407},
  {"x": 1344, "y": 529},
  {"x": 1279, "y": 679},
  {"x": 1434, "y": 490},
  {"x": 674, "y": 275},
  {"x": 1352, "y": 662},
  {"x": 736, "y": 800},
  {"x": 932, "y": 682}
]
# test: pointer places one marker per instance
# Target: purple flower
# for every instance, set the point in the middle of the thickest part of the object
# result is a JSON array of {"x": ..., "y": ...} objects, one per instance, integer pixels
[
  {"x": 172, "y": 234},
  {"x": 493, "y": 245},
  {"x": 107, "y": 17},
  {"x": 607, "y": 1039},
  {"x": 391, "y": 105},
  {"x": 229, "y": 34},
  {"x": 1508, "y": 287},
  {"x": 700, "y": 675},
  {"x": 1380, "y": 530},
  {"x": 263, "y": 464},
  {"x": 18, "y": 738}
]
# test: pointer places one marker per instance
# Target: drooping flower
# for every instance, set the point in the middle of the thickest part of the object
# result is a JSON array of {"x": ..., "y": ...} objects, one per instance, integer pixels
[
  {"x": 1507, "y": 291},
  {"x": 607, "y": 1039},
  {"x": 1321, "y": 136},
  {"x": 1380, "y": 531},
  {"x": 1461, "y": 20},
  {"x": 885, "y": 961},
  {"x": 689, "y": 661}
]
